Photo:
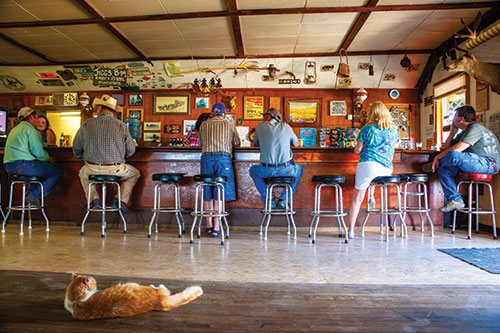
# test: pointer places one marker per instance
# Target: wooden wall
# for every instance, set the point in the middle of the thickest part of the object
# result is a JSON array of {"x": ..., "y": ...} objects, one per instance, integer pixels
[{"x": 407, "y": 96}]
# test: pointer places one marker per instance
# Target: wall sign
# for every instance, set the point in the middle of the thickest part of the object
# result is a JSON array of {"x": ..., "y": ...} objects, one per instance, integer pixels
[
  {"x": 289, "y": 81},
  {"x": 105, "y": 77}
]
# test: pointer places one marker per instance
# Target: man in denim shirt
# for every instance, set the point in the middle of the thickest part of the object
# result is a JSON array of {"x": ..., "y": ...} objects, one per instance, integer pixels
[
  {"x": 474, "y": 150},
  {"x": 275, "y": 139}
]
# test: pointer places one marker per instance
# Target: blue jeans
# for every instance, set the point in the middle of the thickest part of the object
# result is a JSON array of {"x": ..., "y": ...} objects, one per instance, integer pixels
[
  {"x": 259, "y": 172},
  {"x": 51, "y": 172},
  {"x": 218, "y": 165},
  {"x": 454, "y": 162}
]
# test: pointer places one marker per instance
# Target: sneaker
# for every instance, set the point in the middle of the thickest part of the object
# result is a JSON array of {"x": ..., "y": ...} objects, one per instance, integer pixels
[
  {"x": 114, "y": 204},
  {"x": 95, "y": 204},
  {"x": 281, "y": 204},
  {"x": 371, "y": 202},
  {"x": 32, "y": 200},
  {"x": 350, "y": 234},
  {"x": 452, "y": 205}
]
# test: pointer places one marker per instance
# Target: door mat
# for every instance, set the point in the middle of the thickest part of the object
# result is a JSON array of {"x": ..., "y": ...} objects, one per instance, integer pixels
[{"x": 487, "y": 259}]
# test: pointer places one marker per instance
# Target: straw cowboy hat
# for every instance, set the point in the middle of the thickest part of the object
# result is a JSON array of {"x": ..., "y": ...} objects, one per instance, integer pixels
[{"x": 107, "y": 101}]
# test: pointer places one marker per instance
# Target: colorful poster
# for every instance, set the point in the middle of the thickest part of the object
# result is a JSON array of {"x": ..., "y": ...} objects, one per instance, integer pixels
[{"x": 308, "y": 135}]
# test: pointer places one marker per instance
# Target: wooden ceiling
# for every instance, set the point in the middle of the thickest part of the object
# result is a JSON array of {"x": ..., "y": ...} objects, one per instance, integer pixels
[{"x": 45, "y": 32}]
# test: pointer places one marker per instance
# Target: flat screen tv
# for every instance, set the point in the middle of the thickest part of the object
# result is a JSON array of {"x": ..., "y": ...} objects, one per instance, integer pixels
[{"x": 3, "y": 122}]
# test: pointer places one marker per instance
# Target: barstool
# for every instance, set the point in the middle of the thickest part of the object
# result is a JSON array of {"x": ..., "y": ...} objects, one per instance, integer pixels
[
  {"x": 269, "y": 211},
  {"x": 474, "y": 180},
  {"x": 104, "y": 180},
  {"x": 25, "y": 181},
  {"x": 420, "y": 191},
  {"x": 167, "y": 179},
  {"x": 384, "y": 183},
  {"x": 328, "y": 181},
  {"x": 200, "y": 212}
]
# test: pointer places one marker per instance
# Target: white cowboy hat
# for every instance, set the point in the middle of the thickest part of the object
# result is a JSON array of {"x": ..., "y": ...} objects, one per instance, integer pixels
[{"x": 107, "y": 101}]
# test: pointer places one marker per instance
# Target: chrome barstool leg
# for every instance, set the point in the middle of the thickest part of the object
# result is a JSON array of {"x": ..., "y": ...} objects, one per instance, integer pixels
[
  {"x": 426, "y": 204},
  {"x": 23, "y": 206},
  {"x": 155, "y": 210},
  {"x": 120, "y": 207},
  {"x": 224, "y": 210},
  {"x": 42, "y": 207},
  {"x": 469, "y": 211},
  {"x": 177, "y": 209},
  {"x": 196, "y": 211},
  {"x": 315, "y": 211},
  {"x": 220, "y": 206},
  {"x": 477, "y": 207},
  {"x": 492, "y": 203},
  {"x": 289, "y": 208},
  {"x": 267, "y": 207},
  {"x": 382, "y": 221},
  {"x": 103, "y": 215},
  {"x": 9, "y": 209}
]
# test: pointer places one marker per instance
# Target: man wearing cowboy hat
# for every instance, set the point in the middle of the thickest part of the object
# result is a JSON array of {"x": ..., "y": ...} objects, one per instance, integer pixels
[
  {"x": 24, "y": 155},
  {"x": 103, "y": 143},
  {"x": 275, "y": 139}
]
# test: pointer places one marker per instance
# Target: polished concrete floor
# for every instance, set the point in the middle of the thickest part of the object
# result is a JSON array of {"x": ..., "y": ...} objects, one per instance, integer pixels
[{"x": 246, "y": 257}]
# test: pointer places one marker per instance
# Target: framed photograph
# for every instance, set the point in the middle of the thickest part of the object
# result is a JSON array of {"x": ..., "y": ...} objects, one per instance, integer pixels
[
  {"x": 338, "y": 108},
  {"x": 152, "y": 126},
  {"x": 202, "y": 102},
  {"x": 188, "y": 126},
  {"x": 171, "y": 104},
  {"x": 151, "y": 136},
  {"x": 135, "y": 100},
  {"x": 303, "y": 111},
  {"x": 135, "y": 113},
  {"x": 253, "y": 107},
  {"x": 231, "y": 118}
]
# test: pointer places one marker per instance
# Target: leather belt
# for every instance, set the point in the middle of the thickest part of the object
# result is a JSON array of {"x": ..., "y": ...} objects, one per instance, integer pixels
[
  {"x": 216, "y": 153},
  {"x": 277, "y": 165},
  {"x": 103, "y": 164}
]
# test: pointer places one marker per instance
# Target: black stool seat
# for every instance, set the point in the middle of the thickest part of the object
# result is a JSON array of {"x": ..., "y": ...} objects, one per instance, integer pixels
[
  {"x": 413, "y": 177},
  {"x": 210, "y": 178},
  {"x": 168, "y": 177},
  {"x": 105, "y": 178},
  {"x": 24, "y": 178},
  {"x": 328, "y": 179},
  {"x": 279, "y": 180},
  {"x": 386, "y": 179}
]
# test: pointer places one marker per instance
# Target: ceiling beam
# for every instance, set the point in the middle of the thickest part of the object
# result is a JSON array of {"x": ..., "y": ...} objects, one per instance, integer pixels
[
  {"x": 260, "y": 56},
  {"x": 278, "y": 11},
  {"x": 235, "y": 20},
  {"x": 356, "y": 27},
  {"x": 111, "y": 28},
  {"x": 27, "y": 48},
  {"x": 487, "y": 19}
]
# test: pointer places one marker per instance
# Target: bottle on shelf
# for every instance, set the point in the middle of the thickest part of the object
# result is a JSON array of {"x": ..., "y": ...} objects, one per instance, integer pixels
[{"x": 61, "y": 140}]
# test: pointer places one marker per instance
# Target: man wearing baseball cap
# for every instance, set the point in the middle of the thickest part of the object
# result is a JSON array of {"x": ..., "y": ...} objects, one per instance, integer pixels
[
  {"x": 103, "y": 143},
  {"x": 217, "y": 137},
  {"x": 275, "y": 139},
  {"x": 24, "y": 155}
]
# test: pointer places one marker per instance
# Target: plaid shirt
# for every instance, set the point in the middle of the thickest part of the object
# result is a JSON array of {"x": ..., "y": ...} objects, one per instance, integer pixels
[
  {"x": 104, "y": 139},
  {"x": 218, "y": 135}
]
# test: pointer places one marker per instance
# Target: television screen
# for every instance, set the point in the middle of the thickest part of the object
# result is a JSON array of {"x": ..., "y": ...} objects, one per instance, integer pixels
[{"x": 3, "y": 122}]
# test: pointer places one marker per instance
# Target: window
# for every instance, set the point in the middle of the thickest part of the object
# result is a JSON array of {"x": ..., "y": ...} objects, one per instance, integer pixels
[{"x": 449, "y": 94}]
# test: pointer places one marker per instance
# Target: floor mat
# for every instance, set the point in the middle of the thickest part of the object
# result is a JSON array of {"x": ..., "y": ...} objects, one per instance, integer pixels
[{"x": 487, "y": 259}]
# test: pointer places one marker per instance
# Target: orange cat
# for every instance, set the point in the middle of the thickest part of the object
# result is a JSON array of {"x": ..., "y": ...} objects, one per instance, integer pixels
[{"x": 84, "y": 302}]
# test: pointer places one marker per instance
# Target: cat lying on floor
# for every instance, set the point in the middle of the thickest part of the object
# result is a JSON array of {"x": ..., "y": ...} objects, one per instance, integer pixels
[{"x": 84, "y": 302}]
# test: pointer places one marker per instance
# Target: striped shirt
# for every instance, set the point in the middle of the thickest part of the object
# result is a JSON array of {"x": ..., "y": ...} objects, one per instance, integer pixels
[
  {"x": 104, "y": 139},
  {"x": 218, "y": 135}
]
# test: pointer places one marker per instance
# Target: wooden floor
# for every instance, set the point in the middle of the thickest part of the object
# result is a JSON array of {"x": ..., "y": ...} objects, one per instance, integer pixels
[{"x": 33, "y": 301}]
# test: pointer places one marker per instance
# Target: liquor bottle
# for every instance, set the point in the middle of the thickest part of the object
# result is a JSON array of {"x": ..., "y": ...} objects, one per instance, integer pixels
[{"x": 61, "y": 140}]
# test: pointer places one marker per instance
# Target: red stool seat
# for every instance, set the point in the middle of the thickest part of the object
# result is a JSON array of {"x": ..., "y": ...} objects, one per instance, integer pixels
[{"x": 479, "y": 177}]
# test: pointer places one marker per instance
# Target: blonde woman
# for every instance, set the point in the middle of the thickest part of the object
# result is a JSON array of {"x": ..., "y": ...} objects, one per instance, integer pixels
[{"x": 375, "y": 145}]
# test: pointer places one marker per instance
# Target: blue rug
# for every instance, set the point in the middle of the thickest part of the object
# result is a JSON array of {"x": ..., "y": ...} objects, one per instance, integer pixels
[{"x": 487, "y": 259}]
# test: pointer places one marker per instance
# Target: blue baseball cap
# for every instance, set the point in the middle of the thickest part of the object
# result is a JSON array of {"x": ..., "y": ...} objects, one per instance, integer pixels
[{"x": 219, "y": 108}]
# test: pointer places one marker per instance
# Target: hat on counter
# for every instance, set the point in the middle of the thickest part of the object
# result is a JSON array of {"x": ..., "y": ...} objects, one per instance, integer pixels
[
  {"x": 108, "y": 102},
  {"x": 274, "y": 113},
  {"x": 25, "y": 112},
  {"x": 219, "y": 108}
]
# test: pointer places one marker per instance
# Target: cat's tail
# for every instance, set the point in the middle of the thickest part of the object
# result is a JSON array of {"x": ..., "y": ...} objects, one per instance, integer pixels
[{"x": 184, "y": 297}]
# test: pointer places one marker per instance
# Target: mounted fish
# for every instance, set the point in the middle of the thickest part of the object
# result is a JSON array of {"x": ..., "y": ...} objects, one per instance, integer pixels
[{"x": 310, "y": 76}]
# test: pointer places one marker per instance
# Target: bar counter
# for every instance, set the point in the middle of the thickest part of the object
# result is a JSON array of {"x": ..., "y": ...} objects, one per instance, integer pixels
[{"x": 67, "y": 201}]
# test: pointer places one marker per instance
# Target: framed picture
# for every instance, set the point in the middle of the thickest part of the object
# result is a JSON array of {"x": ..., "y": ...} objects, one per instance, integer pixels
[
  {"x": 188, "y": 126},
  {"x": 171, "y": 104},
  {"x": 152, "y": 126},
  {"x": 151, "y": 136},
  {"x": 202, "y": 102},
  {"x": 231, "y": 118},
  {"x": 119, "y": 99},
  {"x": 135, "y": 113},
  {"x": 303, "y": 111},
  {"x": 253, "y": 107},
  {"x": 338, "y": 108},
  {"x": 135, "y": 100}
]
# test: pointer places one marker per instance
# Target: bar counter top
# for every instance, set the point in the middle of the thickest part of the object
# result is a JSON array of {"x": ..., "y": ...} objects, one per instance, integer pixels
[{"x": 67, "y": 201}]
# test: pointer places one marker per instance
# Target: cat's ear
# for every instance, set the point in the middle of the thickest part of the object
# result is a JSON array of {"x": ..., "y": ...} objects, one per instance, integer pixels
[
  {"x": 87, "y": 280},
  {"x": 73, "y": 275}
]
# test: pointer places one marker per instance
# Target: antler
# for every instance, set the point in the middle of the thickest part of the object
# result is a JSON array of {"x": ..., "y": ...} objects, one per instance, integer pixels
[{"x": 472, "y": 32}]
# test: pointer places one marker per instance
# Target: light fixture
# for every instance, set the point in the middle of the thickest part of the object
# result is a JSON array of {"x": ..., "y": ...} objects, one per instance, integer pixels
[
  {"x": 371, "y": 71},
  {"x": 361, "y": 95},
  {"x": 405, "y": 62},
  {"x": 84, "y": 99}
]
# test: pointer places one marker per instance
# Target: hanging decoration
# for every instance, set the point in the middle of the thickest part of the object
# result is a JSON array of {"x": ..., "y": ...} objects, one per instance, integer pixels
[{"x": 310, "y": 76}]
